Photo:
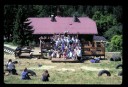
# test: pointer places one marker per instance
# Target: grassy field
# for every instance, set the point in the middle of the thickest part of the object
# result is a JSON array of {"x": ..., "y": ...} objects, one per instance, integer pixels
[{"x": 65, "y": 73}]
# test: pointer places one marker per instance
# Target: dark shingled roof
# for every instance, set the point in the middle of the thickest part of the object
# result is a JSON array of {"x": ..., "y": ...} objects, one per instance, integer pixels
[{"x": 99, "y": 38}]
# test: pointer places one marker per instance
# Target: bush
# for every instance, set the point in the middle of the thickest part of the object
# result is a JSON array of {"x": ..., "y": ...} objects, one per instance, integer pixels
[{"x": 115, "y": 44}]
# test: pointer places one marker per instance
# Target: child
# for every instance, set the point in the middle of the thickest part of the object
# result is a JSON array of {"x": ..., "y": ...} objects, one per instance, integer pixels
[
  {"x": 54, "y": 54},
  {"x": 64, "y": 54},
  {"x": 45, "y": 76},
  {"x": 79, "y": 55},
  {"x": 24, "y": 75},
  {"x": 70, "y": 54},
  {"x": 74, "y": 54},
  {"x": 58, "y": 54}
]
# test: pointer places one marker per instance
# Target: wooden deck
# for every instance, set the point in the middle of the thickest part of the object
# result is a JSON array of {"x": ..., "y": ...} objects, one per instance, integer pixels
[
  {"x": 93, "y": 49},
  {"x": 64, "y": 60}
]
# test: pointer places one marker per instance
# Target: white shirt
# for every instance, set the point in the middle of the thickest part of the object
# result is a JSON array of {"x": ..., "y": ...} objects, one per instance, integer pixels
[
  {"x": 68, "y": 40},
  {"x": 62, "y": 40},
  {"x": 78, "y": 52},
  {"x": 57, "y": 55},
  {"x": 11, "y": 65},
  {"x": 56, "y": 42},
  {"x": 70, "y": 54},
  {"x": 76, "y": 40}
]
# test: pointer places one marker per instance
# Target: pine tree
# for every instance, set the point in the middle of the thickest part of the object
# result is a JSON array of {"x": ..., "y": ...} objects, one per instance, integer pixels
[
  {"x": 27, "y": 30},
  {"x": 22, "y": 33},
  {"x": 9, "y": 14},
  {"x": 17, "y": 28}
]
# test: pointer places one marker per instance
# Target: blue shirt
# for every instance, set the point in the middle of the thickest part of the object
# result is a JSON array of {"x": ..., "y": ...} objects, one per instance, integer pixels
[
  {"x": 24, "y": 74},
  {"x": 92, "y": 61}
]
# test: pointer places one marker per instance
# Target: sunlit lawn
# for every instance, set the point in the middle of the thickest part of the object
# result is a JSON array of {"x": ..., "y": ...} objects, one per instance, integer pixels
[{"x": 59, "y": 75}]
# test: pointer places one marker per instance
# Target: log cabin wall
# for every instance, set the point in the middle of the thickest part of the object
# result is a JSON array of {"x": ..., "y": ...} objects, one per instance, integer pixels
[{"x": 90, "y": 47}]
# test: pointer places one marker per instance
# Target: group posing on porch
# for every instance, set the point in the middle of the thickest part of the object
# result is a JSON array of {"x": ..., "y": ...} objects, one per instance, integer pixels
[{"x": 65, "y": 46}]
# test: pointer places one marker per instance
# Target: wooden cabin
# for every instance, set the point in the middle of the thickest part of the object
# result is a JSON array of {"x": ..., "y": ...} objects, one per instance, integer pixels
[{"x": 84, "y": 27}]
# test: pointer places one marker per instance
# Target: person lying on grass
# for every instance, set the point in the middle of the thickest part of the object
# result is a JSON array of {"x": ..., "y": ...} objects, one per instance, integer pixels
[
  {"x": 24, "y": 75},
  {"x": 45, "y": 76},
  {"x": 95, "y": 60}
]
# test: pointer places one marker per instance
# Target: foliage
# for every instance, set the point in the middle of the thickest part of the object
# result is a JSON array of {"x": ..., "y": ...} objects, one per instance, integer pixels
[
  {"x": 116, "y": 43},
  {"x": 108, "y": 18},
  {"x": 27, "y": 32},
  {"x": 104, "y": 22},
  {"x": 17, "y": 28},
  {"x": 9, "y": 14},
  {"x": 114, "y": 30},
  {"x": 22, "y": 31}
]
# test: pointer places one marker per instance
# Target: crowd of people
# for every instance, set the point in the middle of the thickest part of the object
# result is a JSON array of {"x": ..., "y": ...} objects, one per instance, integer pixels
[{"x": 65, "y": 46}]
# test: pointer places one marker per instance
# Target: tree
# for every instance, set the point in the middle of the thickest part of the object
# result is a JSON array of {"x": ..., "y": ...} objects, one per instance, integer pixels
[
  {"x": 104, "y": 22},
  {"x": 17, "y": 28},
  {"x": 114, "y": 30},
  {"x": 107, "y": 17},
  {"x": 88, "y": 11},
  {"x": 27, "y": 32},
  {"x": 22, "y": 33},
  {"x": 117, "y": 11},
  {"x": 9, "y": 15},
  {"x": 116, "y": 43}
]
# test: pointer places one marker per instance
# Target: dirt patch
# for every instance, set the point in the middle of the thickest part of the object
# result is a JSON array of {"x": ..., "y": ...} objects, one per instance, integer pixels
[
  {"x": 8, "y": 56},
  {"x": 91, "y": 68},
  {"x": 66, "y": 69},
  {"x": 43, "y": 67}
]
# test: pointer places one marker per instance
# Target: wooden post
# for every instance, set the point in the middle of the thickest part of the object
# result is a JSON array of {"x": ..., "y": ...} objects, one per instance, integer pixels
[{"x": 41, "y": 46}]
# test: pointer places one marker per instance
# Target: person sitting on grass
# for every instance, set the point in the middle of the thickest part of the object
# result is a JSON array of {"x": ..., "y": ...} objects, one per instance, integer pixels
[
  {"x": 11, "y": 67},
  {"x": 45, "y": 76},
  {"x": 24, "y": 75}
]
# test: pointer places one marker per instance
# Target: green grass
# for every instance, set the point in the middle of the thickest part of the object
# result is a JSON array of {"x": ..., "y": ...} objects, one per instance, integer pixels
[{"x": 79, "y": 76}]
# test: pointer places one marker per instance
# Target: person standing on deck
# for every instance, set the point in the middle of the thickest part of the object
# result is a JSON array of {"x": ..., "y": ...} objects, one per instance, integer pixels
[{"x": 79, "y": 55}]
